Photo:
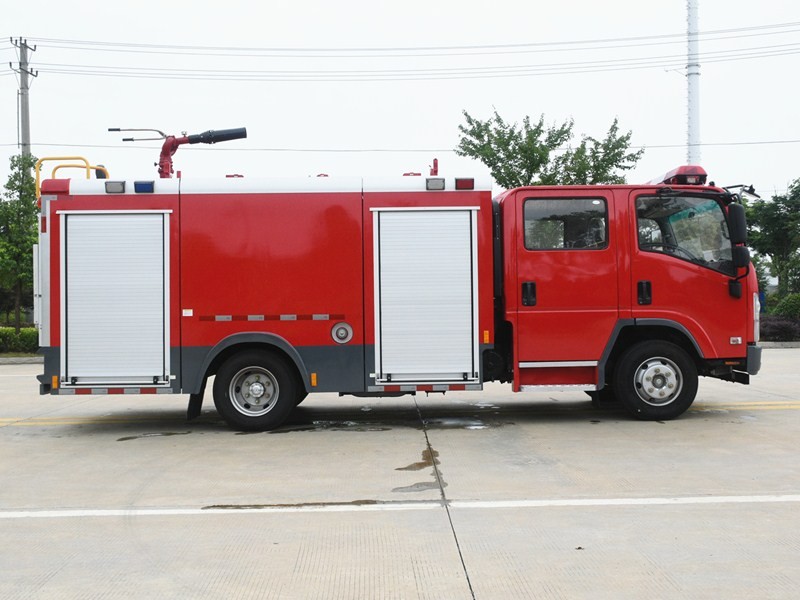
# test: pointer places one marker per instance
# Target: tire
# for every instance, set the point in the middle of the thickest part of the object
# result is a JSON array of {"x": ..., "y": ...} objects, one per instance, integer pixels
[
  {"x": 655, "y": 381},
  {"x": 255, "y": 390}
]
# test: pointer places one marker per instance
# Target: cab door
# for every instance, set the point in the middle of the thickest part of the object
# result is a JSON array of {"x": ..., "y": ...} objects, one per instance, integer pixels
[{"x": 566, "y": 288}]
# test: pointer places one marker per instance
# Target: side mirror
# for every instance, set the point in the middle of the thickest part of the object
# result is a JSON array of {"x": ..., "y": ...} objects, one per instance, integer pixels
[
  {"x": 740, "y": 256},
  {"x": 737, "y": 226}
]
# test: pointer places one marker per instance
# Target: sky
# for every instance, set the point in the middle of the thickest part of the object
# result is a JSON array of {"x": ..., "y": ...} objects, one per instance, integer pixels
[{"x": 378, "y": 88}]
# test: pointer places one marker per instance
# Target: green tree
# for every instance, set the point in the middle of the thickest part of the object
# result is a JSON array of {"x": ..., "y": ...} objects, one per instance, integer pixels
[
  {"x": 774, "y": 231},
  {"x": 536, "y": 154},
  {"x": 18, "y": 232}
]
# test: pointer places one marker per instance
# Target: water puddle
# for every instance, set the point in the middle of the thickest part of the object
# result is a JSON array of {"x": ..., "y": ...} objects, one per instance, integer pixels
[
  {"x": 353, "y": 426},
  {"x": 470, "y": 423},
  {"x": 149, "y": 435},
  {"x": 485, "y": 405},
  {"x": 429, "y": 458},
  {"x": 422, "y": 486}
]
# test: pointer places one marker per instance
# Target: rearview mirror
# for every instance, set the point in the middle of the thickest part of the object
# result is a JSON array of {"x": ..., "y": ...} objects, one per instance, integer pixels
[
  {"x": 740, "y": 256},
  {"x": 737, "y": 226}
]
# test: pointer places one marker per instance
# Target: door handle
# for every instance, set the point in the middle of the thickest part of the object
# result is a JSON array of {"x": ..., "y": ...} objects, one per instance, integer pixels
[
  {"x": 529, "y": 293},
  {"x": 645, "y": 290}
]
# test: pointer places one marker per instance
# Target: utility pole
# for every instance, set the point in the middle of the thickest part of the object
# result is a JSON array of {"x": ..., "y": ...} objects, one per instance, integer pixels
[
  {"x": 24, "y": 106},
  {"x": 693, "y": 84}
]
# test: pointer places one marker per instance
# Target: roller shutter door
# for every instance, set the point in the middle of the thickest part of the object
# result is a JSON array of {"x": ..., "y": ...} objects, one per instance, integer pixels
[
  {"x": 425, "y": 296},
  {"x": 115, "y": 298}
]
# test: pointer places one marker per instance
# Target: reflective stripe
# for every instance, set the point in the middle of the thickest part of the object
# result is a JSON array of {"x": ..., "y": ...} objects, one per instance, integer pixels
[
  {"x": 459, "y": 387},
  {"x": 303, "y": 317},
  {"x": 558, "y": 364},
  {"x": 559, "y": 388}
]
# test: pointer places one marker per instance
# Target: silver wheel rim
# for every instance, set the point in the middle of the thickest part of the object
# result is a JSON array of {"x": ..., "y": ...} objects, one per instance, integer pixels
[
  {"x": 658, "y": 381},
  {"x": 253, "y": 391}
]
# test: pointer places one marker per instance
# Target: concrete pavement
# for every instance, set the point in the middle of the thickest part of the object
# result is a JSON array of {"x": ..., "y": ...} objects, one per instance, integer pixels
[{"x": 484, "y": 495}]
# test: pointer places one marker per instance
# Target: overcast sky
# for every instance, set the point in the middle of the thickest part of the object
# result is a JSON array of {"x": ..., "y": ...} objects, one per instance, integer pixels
[{"x": 314, "y": 81}]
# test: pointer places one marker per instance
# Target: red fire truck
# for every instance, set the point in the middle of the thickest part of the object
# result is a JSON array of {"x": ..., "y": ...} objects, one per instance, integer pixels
[{"x": 385, "y": 286}]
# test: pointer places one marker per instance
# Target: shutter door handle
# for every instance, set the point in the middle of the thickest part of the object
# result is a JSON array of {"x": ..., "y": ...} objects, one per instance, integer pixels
[{"x": 529, "y": 293}]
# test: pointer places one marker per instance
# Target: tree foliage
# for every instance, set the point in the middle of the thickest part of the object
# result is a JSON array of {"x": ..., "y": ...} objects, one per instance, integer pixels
[
  {"x": 789, "y": 307},
  {"x": 18, "y": 226},
  {"x": 536, "y": 154},
  {"x": 774, "y": 232}
]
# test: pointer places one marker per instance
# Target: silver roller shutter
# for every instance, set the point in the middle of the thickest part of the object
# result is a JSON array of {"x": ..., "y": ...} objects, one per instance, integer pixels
[
  {"x": 114, "y": 301},
  {"x": 425, "y": 296}
]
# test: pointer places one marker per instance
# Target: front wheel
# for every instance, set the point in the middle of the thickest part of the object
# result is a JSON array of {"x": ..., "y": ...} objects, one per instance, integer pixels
[
  {"x": 656, "y": 380},
  {"x": 255, "y": 391}
]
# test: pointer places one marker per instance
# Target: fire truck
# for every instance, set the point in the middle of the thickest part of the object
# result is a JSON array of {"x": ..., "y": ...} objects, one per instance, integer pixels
[{"x": 277, "y": 288}]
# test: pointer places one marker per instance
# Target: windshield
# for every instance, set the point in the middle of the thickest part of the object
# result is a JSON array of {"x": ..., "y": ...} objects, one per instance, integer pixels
[{"x": 690, "y": 228}]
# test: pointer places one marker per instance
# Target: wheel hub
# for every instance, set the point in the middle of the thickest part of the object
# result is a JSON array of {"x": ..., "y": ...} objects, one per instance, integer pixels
[
  {"x": 658, "y": 381},
  {"x": 257, "y": 390},
  {"x": 254, "y": 391}
]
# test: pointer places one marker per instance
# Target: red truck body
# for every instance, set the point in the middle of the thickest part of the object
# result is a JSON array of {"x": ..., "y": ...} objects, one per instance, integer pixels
[{"x": 386, "y": 286}]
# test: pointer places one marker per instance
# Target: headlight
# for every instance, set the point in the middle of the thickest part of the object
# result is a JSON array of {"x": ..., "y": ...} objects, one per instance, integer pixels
[{"x": 756, "y": 318}]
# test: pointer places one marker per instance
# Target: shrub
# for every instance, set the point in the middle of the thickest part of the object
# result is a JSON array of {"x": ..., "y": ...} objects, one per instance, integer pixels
[
  {"x": 770, "y": 302},
  {"x": 779, "y": 329},
  {"x": 788, "y": 307},
  {"x": 27, "y": 340}
]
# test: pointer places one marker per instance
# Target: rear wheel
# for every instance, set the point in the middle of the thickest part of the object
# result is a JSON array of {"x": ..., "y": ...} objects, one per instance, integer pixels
[
  {"x": 255, "y": 390},
  {"x": 656, "y": 380}
]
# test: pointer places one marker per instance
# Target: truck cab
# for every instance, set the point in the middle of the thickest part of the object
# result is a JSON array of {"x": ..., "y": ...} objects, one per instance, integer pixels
[{"x": 626, "y": 291}]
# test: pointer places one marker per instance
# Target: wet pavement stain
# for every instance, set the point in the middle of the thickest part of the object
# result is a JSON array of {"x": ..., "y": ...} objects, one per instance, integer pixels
[
  {"x": 352, "y": 426},
  {"x": 429, "y": 458},
  {"x": 149, "y": 435},
  {"x": 457, "y": 423},
  {"x": 485, "y": 405},
  {"x": 421, "y": 486}
]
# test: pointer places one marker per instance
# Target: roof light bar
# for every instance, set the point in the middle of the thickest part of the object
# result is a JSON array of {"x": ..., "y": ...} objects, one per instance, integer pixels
[{"x": 685, "y": 175}]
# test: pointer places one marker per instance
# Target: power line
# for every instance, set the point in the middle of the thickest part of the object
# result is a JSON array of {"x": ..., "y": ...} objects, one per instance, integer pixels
[
  {"x": 417, "y": 54},
  {"x": 128, "y": 46},
  {"x": 575, "y": 67},
  {"x": 365, "y": 150},
  {"x": 427, "y": 73},
  {"x": 648, "y": 61},
  {"x": 488, "y": 73}
]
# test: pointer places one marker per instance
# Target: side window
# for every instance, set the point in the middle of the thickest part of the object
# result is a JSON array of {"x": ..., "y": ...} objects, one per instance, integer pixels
[
  {"x": 565, "y": 224},
  {"x": 687, "y": 228}
]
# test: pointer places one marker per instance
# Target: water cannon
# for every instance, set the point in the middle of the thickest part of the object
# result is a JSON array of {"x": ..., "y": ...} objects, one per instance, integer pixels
[{"x": 171, "y": 143}]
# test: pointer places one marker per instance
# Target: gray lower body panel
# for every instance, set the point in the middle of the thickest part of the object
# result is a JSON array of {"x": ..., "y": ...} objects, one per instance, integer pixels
[{"x": 337, "y": 368}]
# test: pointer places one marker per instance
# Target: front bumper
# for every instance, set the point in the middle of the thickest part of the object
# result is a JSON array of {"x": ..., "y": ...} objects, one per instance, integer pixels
[{"x": 753, "y": 359}]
